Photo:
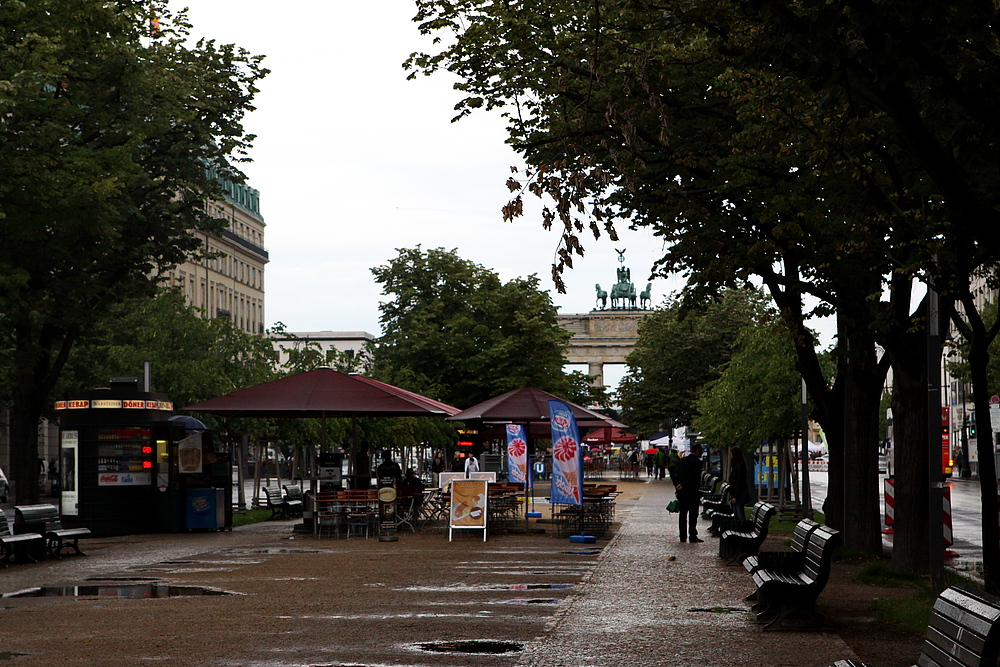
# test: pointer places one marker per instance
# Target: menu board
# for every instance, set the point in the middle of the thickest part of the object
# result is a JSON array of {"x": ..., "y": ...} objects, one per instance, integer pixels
[{"x": 468, "y": 505}]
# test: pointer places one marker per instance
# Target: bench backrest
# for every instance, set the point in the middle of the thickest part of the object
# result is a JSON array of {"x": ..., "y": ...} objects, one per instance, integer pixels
[
  {"x": 273, "y": 496},
  {"x": 293, "y": 492},
  {"x": 724, "y": 493},
  {"x": 708, "y": 481},
  {"x": 819, "y": 553},
  {"x": 963, "y": 631},
  {"x": 47, "y": 514},
  {"x": 5, "y": 530},
  {"x": 800, "y": 536},
  {"x": 762, "y": 513}
]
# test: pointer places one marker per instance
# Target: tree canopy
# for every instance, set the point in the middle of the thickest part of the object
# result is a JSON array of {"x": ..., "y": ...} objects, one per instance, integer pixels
[
  {"x": 756, "y": 396},
  {"x": 681, "y": 349},
  {"x": 111, "y": 134},
  {"x": 453, "y": 330}
]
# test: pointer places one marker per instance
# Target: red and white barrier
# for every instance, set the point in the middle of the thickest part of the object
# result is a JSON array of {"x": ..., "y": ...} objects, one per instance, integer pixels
[
  {"x": 890, "y": 511},
  {"x": 890, "y": 505},
  {"x": 949, "y": 537}
]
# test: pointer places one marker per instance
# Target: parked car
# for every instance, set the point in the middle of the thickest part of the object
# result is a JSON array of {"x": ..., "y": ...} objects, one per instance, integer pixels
[{"x": 4, "y": 488}]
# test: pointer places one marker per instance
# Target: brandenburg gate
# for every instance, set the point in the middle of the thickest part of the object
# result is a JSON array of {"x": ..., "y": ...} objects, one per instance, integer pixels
[{"x": 601, "y": 337}]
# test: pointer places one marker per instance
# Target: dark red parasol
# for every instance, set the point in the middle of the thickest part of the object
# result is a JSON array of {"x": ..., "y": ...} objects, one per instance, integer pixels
[{"x": 323, "y": 392}]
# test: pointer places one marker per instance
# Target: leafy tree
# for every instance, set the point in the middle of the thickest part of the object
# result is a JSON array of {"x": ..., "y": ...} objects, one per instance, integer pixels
[
  {"x": 454, "y": 331},
  {"x": 106, "y": 138},
  {"x": 193, "y": 359},
  {"x": 679, "y": 351},
  {"x": 756, "y": 396}
]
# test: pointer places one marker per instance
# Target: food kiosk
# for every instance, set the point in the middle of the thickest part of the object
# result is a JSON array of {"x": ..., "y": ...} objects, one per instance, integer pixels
[{"x": 126, "y": 467}]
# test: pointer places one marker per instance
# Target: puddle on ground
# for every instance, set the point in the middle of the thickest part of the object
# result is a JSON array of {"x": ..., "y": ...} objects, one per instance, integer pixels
[
  {"x": 387, "y": 617},
  {"x": 134, "y": 592},
  {"x": 583, "y": 552},
  {"x": 472, "y": 646},
  {"x": 532, "y": 601},
  {"x": 10, "y": 655},
  {"x": 717, "y": 610},
  {"x": 272, "y": 551},
  {"x": 465, "y": 588},
  {"x": 120, "y": 579}
]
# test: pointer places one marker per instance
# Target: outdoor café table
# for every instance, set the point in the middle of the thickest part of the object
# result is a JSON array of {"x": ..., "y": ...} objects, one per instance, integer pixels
[{"x": 504, "y": 506}]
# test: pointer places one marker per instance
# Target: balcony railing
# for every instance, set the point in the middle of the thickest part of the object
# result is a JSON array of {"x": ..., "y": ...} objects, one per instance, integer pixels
[{"x": 244, "y": 243}]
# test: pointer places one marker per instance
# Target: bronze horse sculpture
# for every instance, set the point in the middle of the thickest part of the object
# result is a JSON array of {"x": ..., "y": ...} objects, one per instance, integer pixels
[{"x": 602, "y": 297}]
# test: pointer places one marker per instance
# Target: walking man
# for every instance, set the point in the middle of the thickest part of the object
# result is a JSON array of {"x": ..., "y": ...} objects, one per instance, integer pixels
[{"x": 689, "y": 494}]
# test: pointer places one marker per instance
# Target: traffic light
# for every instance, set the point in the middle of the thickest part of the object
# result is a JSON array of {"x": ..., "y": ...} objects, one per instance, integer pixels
[{"x": 972, "y": 426}]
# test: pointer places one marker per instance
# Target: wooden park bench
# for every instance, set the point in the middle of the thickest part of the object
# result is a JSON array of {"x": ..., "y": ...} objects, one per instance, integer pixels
[
  {"x": 44, "y": 520},
  {"x": 738, "y": 543},
  {"x": 19, "y": 545},
  {"x": 281, "y": 508},
  {"x": 963, "y": 631},
  {"x": 707, "y": 485},
  {"x": 293, "y": 494},
  {"x": 714, "y": 502},
  {"x": 792, "y": 589},
  {"x": 783, "y": 561}
]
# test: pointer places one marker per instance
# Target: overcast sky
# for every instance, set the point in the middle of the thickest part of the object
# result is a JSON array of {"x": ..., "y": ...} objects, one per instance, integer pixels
[{"x": 353, "y": 161}]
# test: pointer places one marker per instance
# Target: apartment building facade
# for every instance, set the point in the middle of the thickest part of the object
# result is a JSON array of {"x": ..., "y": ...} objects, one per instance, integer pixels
[{"x": 228, "y": 279}]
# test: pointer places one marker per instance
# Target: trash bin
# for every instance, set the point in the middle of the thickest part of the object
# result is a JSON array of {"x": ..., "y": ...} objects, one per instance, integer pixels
[{"x": 205, "y": 508}]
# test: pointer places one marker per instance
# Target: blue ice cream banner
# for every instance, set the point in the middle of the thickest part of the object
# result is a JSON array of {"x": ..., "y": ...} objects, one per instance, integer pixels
[
  {"x": 518, "y": 470},
  {"x": 567, "y": 461}
]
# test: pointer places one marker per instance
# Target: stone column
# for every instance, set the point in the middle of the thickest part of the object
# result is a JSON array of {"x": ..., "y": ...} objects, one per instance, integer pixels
[{"x": 596, "y": 368}]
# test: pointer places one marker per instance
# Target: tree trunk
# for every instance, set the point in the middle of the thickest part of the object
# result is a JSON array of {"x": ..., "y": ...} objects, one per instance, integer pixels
[
  {"x": 909, "y": 414},
  {"x": 863, "y": 523},
  {"x": 24, "y": 420}
]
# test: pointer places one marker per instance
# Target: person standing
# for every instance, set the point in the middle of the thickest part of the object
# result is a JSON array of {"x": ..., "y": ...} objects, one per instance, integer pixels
[
  {"x": 673, "y": 460},
  {"x": 661, "y": 463},
  {"x": 437, "y": 467},
  {"x": 471, "y": 465},
  {"x": 738, "y": 487},
  {"x": 457, "y": 464},
  {"x": 689, "y": 494}
]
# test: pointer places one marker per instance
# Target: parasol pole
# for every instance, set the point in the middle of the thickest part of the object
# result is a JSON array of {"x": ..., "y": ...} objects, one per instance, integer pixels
[{"x": 530, "y": 477}]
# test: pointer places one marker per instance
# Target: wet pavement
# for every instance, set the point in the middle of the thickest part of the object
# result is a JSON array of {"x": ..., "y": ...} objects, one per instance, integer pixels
[{"x": 640, "y": 598}]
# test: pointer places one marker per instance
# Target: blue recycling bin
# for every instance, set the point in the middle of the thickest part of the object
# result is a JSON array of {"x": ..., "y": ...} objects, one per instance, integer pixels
[{"x": 205, "y": 509}]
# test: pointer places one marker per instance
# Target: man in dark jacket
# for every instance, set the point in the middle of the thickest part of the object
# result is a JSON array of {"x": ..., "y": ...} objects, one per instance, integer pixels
[{"x": 689, "y": 493}]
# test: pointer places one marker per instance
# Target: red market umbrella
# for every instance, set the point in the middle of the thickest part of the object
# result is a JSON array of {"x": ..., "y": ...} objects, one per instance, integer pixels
[
  {"x": 323, "y": 392},
  {"x": 651, "y": 450},
  {"x": 529, "y": 405}
]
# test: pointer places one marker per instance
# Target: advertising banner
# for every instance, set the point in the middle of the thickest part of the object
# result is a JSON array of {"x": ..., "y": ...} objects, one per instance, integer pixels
[
  {"x": 189, "y": 454},
  {"x": 468, "y": 505},
  {"x": 567, "y": 462},
  {"x": 67, "y": 467},
  {"x": 517, "y": 455}
]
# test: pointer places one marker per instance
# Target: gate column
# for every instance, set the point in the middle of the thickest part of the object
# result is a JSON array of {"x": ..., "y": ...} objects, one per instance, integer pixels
[{"x": 596, "y": 369}]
